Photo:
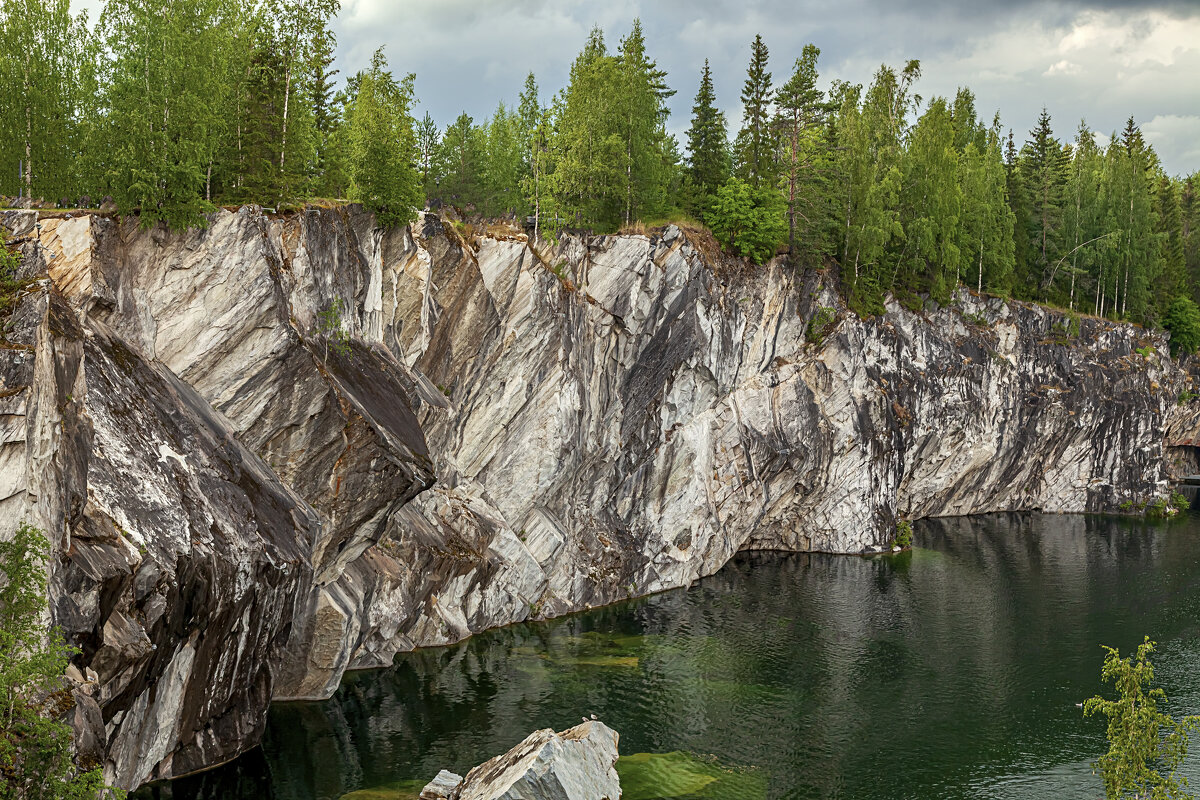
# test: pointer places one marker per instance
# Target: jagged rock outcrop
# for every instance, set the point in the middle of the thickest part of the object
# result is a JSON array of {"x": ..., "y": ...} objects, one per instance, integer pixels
[
  {"x": 577, "y": 764},
  {"x": 446, "y": 433}
]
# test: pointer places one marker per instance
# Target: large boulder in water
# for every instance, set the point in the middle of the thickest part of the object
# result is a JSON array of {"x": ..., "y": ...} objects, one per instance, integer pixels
[{"x": 577, "y": 764}]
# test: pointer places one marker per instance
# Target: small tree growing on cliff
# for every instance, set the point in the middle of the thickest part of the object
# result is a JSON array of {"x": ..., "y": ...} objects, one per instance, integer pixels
[
  {"x": 35, "y": 748},
  {"x": 1145, "y": 745}
]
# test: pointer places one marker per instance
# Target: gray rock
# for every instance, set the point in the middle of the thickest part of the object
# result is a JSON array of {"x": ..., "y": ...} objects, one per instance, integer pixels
[
  {"x": 244, "y": 513},
  {"x": 443, "y": 787},
  {"x": 577, "y": 764}
]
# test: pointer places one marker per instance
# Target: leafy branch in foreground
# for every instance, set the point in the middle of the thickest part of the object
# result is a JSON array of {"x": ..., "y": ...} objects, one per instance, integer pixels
[
  {"x": 1146, "y": 746},
  {"x": 35, "y": 748}
]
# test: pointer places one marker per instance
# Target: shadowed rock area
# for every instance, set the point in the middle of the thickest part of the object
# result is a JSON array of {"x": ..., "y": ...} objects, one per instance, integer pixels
[{"x": 282, "y": 447}]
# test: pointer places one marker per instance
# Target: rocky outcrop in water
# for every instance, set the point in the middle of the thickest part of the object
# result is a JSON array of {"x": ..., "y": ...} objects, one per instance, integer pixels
[
  {"x": 577, "y": 764},
  {"x": 282, "y": 447}
]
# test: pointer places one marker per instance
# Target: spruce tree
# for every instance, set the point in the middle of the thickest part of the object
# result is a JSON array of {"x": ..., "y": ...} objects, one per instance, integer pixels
[
  {"x": 383, "y": 145},
  {"x": 428, "y": 139},
  {"x": 755, "y": 148},
  {"x": 1043, "y": 170},
  {"x": 461, "y": 156},
  {"x": 708, "y": 147}
]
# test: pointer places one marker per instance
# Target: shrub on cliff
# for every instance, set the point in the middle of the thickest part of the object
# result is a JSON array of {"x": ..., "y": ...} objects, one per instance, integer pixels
[
  {"x": 1145, "y": 745},
  {"x": 1183, "y": 321},
  {"x": 35, "y": 748},
  {"x": 747, "y": 220}
]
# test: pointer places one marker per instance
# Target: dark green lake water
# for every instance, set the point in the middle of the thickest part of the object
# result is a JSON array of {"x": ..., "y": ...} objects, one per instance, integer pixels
[{"x": 949, "y": 672}]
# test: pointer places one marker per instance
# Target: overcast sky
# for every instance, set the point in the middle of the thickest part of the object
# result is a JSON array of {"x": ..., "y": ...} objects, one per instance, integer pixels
[{"x": 1102, "y": 60}]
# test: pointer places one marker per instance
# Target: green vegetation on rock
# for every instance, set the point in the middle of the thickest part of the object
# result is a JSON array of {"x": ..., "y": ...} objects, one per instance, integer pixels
[{"x": 36, "y": 760}]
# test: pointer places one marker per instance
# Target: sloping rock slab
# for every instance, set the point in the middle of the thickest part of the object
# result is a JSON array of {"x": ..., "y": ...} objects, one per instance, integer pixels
[{"x": 577, "y": 764}]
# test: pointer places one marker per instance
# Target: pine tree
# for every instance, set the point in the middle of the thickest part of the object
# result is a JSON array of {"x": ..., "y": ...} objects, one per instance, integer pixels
[
  {"x": 708, "y": 148},
  {"x": 1189, "y": 212},
  {"x": 383, "y": 145},
  {"x": 461, "y": 156},
  {"x": 801, "y": 125},
  {"x": 1024, "y": 283},
  {"x": 754, "y": 148},
  {"x": 641, "y": 95},
  {"x": 324, "y": 109},
  {"x": 589, "y": 173},
  {"x": 1169, "y": 229}
]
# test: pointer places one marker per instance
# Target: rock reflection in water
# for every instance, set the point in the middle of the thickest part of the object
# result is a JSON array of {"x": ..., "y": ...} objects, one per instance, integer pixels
[{"x": 951, "y": 671}]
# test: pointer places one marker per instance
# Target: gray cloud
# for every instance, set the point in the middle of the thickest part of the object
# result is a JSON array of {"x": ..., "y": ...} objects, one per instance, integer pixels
[
  {"x": 1103, "y": 60},
  {"x": 1100, "y": 59}
]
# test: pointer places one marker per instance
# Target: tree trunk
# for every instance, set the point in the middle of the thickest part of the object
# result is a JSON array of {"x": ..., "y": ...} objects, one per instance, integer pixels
[{"x": 287, "y": 96}]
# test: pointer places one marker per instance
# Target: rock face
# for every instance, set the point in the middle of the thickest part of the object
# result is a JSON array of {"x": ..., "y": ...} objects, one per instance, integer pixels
[
  {"x": 577, "y": 764},
  {"x": 282, "y": 447}
]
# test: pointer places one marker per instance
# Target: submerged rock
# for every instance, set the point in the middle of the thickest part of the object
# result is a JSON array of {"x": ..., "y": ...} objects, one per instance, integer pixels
[{"x": 577, "y": 764}]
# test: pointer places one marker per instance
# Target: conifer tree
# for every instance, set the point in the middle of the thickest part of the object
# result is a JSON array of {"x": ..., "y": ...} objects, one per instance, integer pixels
[
  {"x": 502, "y": 164},
  {"x": 383, "y": 145},
  {"x": 641, "y": 95},
  {"x": 1081, "y": 221},
  {"x": 428, "y": 139},
  {"x": 1043, "y": 169},
  {"x": 754, "y": 148},
  {"x": 1018, "y": 200},
  {"x": 589, "y": 172},
  {"x": 708, "y": 147},
  {"x": 461, "y": 157},
  {"x": 801, "y": 126},
  {"x": 1189, "y": 212}
]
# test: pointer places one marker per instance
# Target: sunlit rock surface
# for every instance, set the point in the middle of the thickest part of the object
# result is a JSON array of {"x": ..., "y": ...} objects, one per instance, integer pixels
[
  {"x": 497, "y": 434},
  {"x": 577, "y": 764}
]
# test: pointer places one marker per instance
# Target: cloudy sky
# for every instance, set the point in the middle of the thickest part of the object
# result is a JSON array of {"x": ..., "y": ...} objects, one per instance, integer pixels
[{"x": 1102, "y": 60}]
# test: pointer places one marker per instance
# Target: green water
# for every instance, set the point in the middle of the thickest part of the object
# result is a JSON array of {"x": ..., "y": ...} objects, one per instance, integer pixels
[{"x": 949, "y": 672}]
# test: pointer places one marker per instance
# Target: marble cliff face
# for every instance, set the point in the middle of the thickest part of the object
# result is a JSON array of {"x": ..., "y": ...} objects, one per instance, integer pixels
[{"x": 282, "y": 447}]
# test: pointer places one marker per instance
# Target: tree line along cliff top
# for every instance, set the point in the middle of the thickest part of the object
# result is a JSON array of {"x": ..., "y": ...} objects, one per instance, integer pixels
[{"x": 171, "y": 108}]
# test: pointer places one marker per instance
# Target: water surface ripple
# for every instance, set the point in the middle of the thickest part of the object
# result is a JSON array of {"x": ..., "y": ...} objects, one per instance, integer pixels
[{"x": 949, "y": 672}]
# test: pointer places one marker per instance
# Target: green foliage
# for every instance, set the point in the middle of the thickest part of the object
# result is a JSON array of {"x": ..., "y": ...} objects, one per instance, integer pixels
[
  {"x": 383, "y": 146},
  {"x": 748, "y": 221},
  {"x": 1187, "y": 396},
  {"x": 904, "y": 534},
  {"x": 330, "y": 328},
  {"x": 1146, "y": 746},
  {"x": 708, "y": 146},
  {"x": 754, "y": 149},
  {"x": 1145, "y": 352},
  {"x": 35, "y": 748},
  {"x": 818, "y": 326},
  {"x": 1183, "y": 321}
]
